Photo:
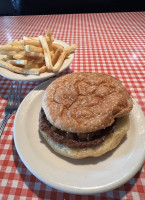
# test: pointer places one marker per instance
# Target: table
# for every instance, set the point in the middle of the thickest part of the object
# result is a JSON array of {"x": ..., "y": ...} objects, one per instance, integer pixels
[{"x": 111, "y": 43}]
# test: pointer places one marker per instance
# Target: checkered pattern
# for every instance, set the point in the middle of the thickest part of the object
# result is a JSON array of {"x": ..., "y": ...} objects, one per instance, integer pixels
[{"x": 111, "y": 43}]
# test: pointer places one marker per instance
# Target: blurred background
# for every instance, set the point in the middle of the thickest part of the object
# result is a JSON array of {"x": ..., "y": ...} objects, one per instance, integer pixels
[{"x": 42, "y": 7}]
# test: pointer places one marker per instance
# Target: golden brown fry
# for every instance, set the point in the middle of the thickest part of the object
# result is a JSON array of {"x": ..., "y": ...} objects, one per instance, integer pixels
[
  {"x": 47, "y": 38},
  {"x": 37, "y": 38},
  {"x": 66, "y": 52},
  {"x": 32, "y": 42},
  {"x": 17, "y": 62},
  {"x": 38, "y": 61},
  {"x": 40, "y": 69},
  {"x": 13, "y": 68},
  {"x": 36, "y": 42},
  {"x": 19, "y": 57},
  {"x": 10, "y": 48},
  {"x": 43, "y": 69},
  {"x": 59, "y": 62},
  {"x": 34, "y": 54},
  {"x": 30, "y": 48},
  {"x": 32, "y": 65},
  {"x": 56, "y": 56},
  {"x": 50, "y": 45},
  {"x": 4, "y": 57},
  {"x": 56, "y": 46},
  {"x": 46, "y": 50},
  {"x": 48, "y": 34},
  {"x": 12, "y": 53},
  {"x": 70, "y": 48},
  {"x": 15, "y": 43}
]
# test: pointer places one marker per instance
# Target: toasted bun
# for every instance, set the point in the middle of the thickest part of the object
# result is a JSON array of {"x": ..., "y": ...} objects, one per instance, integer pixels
[
  {"x": 85, "y": 102},
  {"x": 111, "y": 141}
]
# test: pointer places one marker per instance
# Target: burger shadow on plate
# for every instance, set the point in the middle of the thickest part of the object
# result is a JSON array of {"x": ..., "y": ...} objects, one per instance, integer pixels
[
  {"x": 84, "y": 161},
  {"x": 26, "y": 175}
]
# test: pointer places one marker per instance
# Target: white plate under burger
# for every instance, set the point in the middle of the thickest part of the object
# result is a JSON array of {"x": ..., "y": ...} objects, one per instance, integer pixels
[
  {"x": 21, "y": 77},
  {"x": 86, "y": 176}
]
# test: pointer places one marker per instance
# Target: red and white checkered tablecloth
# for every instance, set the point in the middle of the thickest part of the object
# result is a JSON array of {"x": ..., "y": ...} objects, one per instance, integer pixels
[{"x": 112, "y": 43}]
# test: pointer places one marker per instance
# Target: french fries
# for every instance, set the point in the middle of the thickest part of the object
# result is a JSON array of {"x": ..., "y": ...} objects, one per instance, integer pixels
[
  {"x": 30, "y": 48},
  {"x": 19, "y": 56},
  {"x": 17, "y": 62},
  {"x": 15, "y": 43},
  {"x": 12, "y": 53},
  {"x": 48, "y": 34},
  {"x": 34, "y": 55},
  {"x": 11, "y": 48},
  {"x": 46, "y": 53},
  {"x": 59, "y": 62},
  {"x": 56, "y": 55},
  {"x": 4, "y": 57},
  {"x": 21, "y": 70},
  {"x": 56, "y": 46}
]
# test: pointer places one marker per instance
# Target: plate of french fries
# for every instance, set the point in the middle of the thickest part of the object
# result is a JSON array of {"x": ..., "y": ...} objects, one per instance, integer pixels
[{"x": 35, "y": 58}]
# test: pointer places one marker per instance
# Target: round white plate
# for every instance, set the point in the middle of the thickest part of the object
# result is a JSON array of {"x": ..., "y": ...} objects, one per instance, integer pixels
[
  {"x": 14, "y": 76},
  {"x": 87, "y": 176}
]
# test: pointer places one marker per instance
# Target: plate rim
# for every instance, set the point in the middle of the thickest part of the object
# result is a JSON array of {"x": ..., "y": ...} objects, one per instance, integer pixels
[{"x": 69, "y": 189}]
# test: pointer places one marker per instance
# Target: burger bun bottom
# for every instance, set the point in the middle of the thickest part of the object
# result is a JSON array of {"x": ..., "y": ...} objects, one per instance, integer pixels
[{"x": 110, "y": 142}]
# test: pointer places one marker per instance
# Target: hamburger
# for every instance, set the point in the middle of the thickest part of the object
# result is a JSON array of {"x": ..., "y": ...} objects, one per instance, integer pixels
[{"x": 85, "y": 114}]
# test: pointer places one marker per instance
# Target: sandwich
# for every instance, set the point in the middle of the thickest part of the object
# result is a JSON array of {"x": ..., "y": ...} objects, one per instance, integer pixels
[{"x": 85, "y": 114}]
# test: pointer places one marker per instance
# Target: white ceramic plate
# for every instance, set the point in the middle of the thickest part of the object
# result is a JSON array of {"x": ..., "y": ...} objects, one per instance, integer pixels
[
  {"x": 14, "y": 76},
  {"x": 87, "y": 176}
]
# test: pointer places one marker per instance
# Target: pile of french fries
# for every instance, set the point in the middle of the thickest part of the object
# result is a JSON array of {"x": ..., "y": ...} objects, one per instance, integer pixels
[{"x": 34, "y": 55}]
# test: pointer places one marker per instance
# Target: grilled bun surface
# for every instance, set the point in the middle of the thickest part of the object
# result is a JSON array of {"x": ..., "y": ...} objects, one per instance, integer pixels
[{"x": 85, "y": 102}]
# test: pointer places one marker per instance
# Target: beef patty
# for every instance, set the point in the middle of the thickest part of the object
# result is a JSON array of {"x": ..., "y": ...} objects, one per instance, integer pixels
[{"x": 73, "y": 140}]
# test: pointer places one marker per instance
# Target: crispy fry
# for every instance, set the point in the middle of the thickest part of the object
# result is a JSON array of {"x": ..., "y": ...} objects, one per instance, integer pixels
[
  {"x": 10, "y": 48},
  {"x": 13, "y": 68},
  {"x": 12, "y": 53},
  {"x": 56, "y": 46},
  {"x": 70, "y": 48},
  {"x": 37, "y": 38},
  {"x": 48, "y": 34},
  {"x": 31, "y": 42},
  {"x": 39, "y": 61},
  {"x": 47, "y": 38},
  {"x": 46, "y": 52},
  {"x": 30, "y": 48},
  {"x": 15, "y": 43},
  {"x": 66, "y": 52},
  {"x": 3, "y": 57},
  {"x": 34, "y": 54},
  {"x": 17, "y": 62},
  {"x": 36, "y": 42},
  {"x": 32, "y": 65},
  {"x": 19, "y": 57},
  {"x": 43, "y": 69},
  {"x": 40, "y": 69},
  {"x": 56, "y": 56},
  {"x": 59, "y": 62}
]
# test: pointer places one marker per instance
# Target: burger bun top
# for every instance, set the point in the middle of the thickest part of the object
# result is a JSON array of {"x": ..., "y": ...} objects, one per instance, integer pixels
[{"x": 85, "y": 102}]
